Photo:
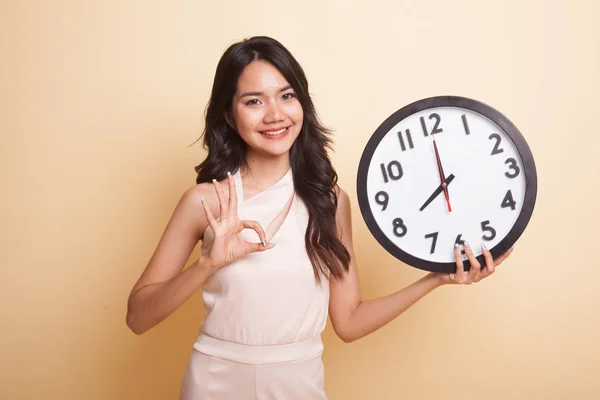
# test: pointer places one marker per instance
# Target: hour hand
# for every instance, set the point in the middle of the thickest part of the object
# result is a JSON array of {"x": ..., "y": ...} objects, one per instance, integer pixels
[{"x": 436, "y": 193}]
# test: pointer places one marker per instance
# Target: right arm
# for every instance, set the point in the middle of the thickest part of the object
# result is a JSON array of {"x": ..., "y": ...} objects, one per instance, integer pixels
[{"x": 162, "y": 287}]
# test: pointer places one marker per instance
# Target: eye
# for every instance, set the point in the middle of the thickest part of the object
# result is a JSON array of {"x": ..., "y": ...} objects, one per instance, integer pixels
[
  {"x": 252, "y": 102},
  {"x": 289, "y": 95}
]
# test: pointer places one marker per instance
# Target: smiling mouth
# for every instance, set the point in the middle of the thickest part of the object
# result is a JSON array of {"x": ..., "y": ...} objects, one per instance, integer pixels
[{"x": 275, "y": 133}]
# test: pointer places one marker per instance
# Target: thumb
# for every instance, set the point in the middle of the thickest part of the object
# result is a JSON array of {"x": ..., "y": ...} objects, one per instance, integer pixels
[{"x": 258, "y": 247}]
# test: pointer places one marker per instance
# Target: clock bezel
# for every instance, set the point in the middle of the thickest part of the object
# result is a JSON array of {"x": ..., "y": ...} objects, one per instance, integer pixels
[{"x": 487, "y": 111}]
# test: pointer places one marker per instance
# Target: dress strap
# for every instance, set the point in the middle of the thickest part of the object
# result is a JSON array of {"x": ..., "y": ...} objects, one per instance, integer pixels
[{"x": 237, "y": 180}]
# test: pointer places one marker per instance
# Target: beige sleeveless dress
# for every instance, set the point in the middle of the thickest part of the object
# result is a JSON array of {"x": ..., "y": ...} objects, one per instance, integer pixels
[{"x": 261, "y": 338}]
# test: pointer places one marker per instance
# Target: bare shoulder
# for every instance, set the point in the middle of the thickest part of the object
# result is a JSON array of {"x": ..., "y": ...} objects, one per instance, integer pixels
[
  {"x": 191, "y": 203},
  {"x": 192, "y": 199},
  {"x": 193, "y": 195},
  {"x": 189, "y": 215}
]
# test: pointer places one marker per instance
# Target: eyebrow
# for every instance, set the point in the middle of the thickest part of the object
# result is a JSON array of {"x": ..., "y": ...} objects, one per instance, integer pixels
[{"x": 283, "y": 89}]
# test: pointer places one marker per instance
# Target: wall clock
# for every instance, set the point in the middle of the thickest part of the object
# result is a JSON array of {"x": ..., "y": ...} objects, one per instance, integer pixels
[{"x": 445, "y": 170}]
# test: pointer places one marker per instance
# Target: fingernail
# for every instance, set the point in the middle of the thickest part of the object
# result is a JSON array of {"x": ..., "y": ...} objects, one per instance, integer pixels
[
  {"x": 456, "y": 245},
  {"x": 466, "y": 244},
  {"x": 228, "y": 173},
  {"x": 265, "y": 243},
  {"x": 512, "y": 247},
  {"x": 214, "y": 181},
  {"x": 201, "y": 198},
  {"x": 483, "y": 247}
]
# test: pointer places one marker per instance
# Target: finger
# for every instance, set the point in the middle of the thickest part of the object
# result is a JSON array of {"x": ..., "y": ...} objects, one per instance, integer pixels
[
  {"x": 209, "y": 215},
  {"x": 257, "y": 228},
  {"x": 221, "y": 196},
  {"x": 475, "y": 266},
  {"x": 232, "y": 196},
  {"x": 460, "y": 268},
  {"x": 489, "y": 262}
]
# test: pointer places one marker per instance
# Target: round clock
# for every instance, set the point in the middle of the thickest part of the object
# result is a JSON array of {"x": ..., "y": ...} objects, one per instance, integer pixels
[{"x": 442, "y": 171}]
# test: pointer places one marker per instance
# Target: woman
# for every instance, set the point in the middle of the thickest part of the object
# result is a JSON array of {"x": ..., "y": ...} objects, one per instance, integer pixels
[{"x": 277, "y": 252}]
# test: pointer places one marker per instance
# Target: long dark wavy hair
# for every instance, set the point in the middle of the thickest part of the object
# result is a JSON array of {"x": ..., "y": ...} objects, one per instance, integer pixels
[{"x": 314, "y": 177}]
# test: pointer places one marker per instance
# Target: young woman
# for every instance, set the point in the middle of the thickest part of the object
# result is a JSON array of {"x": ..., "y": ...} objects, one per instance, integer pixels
[{"x": 276, "y": 232}]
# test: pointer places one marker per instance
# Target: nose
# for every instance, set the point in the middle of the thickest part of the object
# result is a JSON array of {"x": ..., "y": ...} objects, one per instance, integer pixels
[{"x": 273, "y": 113}]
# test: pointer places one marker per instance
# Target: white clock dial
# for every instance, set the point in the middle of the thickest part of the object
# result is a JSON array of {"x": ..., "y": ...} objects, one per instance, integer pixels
[
  {"x": 487, "y": 174},
  {"x": 401, "y": 192}
]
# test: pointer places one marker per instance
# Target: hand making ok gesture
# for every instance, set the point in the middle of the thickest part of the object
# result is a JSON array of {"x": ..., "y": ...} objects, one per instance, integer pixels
[{"x": 228, "y": 245}]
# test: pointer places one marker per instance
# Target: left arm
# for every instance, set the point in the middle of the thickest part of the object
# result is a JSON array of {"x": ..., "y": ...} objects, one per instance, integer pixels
[{"x": 353, "y": 318}]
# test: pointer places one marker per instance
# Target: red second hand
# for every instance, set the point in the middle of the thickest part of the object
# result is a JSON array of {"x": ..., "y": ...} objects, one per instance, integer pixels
[{"x": 441, "y": 170}]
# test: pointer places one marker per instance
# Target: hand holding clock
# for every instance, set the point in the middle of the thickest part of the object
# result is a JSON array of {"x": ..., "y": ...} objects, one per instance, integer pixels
[{"x": 476, "y": 273}]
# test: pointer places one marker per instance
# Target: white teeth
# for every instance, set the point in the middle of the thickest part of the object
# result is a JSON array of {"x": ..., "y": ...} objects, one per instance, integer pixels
[{"x": 274, "y": 133}]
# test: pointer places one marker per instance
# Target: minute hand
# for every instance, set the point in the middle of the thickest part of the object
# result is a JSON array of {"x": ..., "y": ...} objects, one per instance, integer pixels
[
  {"x": 437, "y": 192},
  {"x": 441, "y": 171}
]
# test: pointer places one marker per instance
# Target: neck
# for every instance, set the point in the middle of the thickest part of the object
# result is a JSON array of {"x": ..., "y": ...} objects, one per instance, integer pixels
[{"x": 263, "y": 172}]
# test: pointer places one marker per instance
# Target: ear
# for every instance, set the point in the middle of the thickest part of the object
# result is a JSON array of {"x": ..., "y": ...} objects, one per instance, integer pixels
[{"x": 229, "y": 119}]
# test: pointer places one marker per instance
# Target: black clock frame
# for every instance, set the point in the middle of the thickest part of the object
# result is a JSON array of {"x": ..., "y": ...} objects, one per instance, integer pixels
[{"x": 448, "y": 101}]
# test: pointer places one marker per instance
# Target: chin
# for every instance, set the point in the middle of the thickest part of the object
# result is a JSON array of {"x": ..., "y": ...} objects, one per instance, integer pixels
[{"x": 275, "y": 152}]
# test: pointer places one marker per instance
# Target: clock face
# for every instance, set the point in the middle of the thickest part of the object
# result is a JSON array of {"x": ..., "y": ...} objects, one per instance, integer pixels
[{"x": 487, "y": 169}]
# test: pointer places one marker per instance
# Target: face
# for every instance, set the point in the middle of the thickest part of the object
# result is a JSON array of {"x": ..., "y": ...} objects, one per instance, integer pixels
[{"x": 266, "y": 111}]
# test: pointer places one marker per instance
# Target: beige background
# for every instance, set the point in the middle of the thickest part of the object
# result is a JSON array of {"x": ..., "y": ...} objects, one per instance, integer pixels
[{"x": 100, "y": 101}]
